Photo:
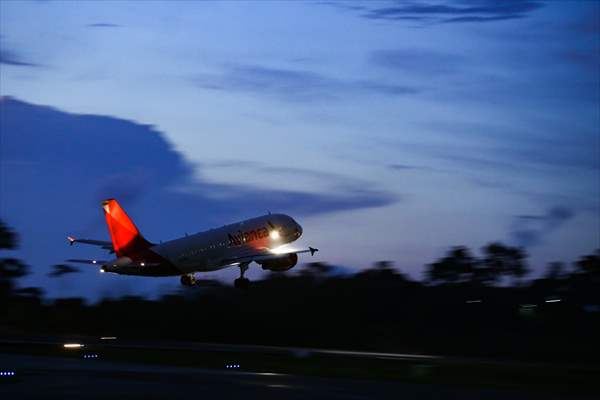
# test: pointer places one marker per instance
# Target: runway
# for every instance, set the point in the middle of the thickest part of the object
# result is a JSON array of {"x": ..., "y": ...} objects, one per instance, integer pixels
[
  {"x": 96, "y": 367},
  {"x": 115, "y": 343},
  {"x": 60, "y": 378}
]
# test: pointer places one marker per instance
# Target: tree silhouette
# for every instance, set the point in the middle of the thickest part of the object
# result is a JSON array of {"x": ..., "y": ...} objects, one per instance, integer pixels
[
  {"x": 10, "y": 268},
  {"x": 554, "y": 271},
  {"x": 457, "y": 266},
  {"x": 59, "y": 270},
  {"x": 589, "y": 264},
  {"x": 8, "y": 239},
  {"x": 501, "y": 260},
  {"x": 316, "y": 270},
  {"x": 383, "y": 270}
]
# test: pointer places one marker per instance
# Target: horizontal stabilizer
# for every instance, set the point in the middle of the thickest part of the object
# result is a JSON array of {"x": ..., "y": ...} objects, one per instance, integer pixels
[{"x": 102, "y": 243}]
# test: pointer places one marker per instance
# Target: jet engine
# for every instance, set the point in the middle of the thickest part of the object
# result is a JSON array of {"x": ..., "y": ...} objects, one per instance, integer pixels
[{"x": 281, "y": 263}]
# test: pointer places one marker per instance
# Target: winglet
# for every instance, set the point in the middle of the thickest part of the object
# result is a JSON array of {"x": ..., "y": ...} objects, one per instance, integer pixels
[
  {"x": 312, "y": 250},
  {"x": 71, "y": 240}
]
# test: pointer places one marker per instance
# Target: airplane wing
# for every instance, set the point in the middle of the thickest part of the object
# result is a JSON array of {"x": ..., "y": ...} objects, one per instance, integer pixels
[
  {"x": 268, "y": 255},
  {"x": 80, "y": 261},
  {"x": 102, "y": 243},
  {"x": 105, "y": 263}
]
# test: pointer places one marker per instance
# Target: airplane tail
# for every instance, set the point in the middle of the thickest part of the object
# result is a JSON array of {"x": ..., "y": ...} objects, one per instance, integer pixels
[{"x": 126, "y": 239}]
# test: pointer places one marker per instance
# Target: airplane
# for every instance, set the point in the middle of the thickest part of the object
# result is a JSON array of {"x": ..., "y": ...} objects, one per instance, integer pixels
[{"x": 256, "y": 240}]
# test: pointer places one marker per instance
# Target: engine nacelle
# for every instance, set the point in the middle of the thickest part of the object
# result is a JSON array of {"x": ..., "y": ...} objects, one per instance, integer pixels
[{"x": 282, "y": 263}]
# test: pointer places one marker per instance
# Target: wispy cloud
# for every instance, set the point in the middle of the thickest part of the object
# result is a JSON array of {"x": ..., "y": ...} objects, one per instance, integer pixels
[
  {"x": 9, "y": 57},
  {"x": 497, "y": 146},
  {"x": 454, "y": 12},
  {"x": 294, "y": 85},
  {"x": 103, "y": 25},
  {"x": 346, "y": 191},
  {"x": 529, "y": 230},
  {"x": 417, "y": 61},
  {"x": 404, "y": 167},
  {"x": 228, "y": 198}
]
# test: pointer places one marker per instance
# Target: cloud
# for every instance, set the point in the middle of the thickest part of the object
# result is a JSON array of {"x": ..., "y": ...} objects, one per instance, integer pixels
[
  {"x": 362, "y": 191},
  {"x": 483, "y": 19},
  {"x": 103, "y": 25},
  {"x": 417, "y": 60},
  {"x": 294, "y": 85},
  {"x": 583, "y": 57},
  {"x": 487, "y": 146},
  {"x": 127, "y": 187},
  {"x": 230, "y": 200},
  {"x": 330, "y": 178},
  {"x": 344, "y": 192},
  {"x": 403, "y": 167},
  {"x": 458, "y": 12},
  {"x": 516, "y": 156},
  {"x": 530, "y": 230},
  {"x": 588, "y": 24},
  {"x": 58, "y": 166},
  {"x": 8, "y": 57},
  {"x": 135, "y": 161}
]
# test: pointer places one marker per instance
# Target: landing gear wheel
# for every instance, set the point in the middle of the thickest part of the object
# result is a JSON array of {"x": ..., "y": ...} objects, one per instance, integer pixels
[
  {"x": 188, "y": 280},
  {"x": 241, "y": 283}
]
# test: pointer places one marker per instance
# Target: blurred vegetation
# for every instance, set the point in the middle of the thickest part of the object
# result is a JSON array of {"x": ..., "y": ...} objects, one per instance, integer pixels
[{"x": 468, "y": 305}]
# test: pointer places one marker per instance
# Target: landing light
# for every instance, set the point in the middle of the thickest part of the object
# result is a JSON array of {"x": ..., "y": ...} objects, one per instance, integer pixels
[
  {"x": 282, "y": 250},
  {"x": 274, "y": 235},
  {"x": 72, "y": 345}
]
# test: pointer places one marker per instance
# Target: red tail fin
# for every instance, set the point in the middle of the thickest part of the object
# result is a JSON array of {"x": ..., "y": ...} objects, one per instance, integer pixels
[{"x": 126, "y": 239}]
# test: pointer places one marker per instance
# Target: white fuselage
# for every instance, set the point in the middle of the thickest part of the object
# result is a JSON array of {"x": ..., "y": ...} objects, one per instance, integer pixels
[{"x": 219, "y": 248}]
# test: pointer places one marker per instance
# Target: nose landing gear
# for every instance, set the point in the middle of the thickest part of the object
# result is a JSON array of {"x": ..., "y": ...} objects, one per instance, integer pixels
[
  {"x": 188, "y": 280},
  {"x": 241, "y": 282}
]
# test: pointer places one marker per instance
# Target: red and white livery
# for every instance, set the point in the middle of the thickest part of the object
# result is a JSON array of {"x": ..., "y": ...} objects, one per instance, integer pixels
[{"x": 253, "y": 240}]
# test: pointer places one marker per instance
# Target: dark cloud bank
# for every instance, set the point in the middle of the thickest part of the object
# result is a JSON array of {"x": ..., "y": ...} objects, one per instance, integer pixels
[{"x": 57, "y": 167}]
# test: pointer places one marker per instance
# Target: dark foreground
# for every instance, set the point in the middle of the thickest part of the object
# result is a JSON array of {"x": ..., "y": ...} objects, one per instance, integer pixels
[
  {"x": 60, "y": 378},
  {"x": 45, "y": 369}
]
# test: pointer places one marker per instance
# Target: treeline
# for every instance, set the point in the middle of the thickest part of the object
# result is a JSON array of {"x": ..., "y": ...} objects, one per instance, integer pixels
[{"x": 467, "y": 305}]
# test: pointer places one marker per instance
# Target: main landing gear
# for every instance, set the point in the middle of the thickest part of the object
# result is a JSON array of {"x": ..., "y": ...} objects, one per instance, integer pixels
[
  {"x": 241, "y": 282},
  {"x": 188, "y": 280}
]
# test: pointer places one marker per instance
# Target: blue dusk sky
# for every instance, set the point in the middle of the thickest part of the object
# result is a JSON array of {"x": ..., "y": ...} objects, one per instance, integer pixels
[{"x": 389, "y": 130}]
